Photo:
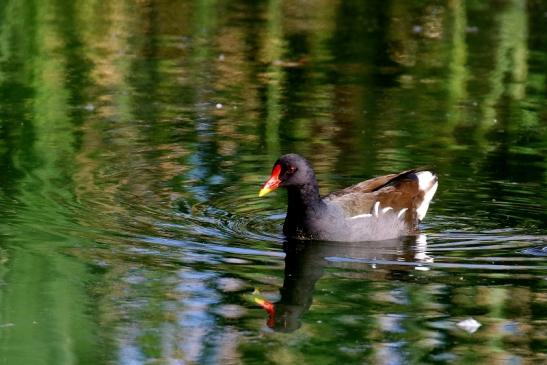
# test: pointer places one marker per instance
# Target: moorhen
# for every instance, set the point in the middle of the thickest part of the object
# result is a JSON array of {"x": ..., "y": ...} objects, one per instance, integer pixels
[{"x": 381, "y": 208}]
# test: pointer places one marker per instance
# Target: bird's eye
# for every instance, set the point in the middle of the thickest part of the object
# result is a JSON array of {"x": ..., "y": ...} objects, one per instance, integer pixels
[{"x": 291, "y": 169}]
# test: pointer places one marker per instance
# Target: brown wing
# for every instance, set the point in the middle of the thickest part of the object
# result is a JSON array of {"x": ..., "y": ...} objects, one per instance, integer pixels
[
  {"x": 370, "y": 185},
  {"x": 397, "y": 191}
]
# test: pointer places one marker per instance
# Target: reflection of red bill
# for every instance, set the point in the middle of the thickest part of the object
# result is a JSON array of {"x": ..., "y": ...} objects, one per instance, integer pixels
[
  {"x": 272, "y": 183},
  {"x": 269, "y": 308}
]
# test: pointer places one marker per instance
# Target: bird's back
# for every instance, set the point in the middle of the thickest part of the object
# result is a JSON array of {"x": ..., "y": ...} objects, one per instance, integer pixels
[{"x": 381, "y": 208}]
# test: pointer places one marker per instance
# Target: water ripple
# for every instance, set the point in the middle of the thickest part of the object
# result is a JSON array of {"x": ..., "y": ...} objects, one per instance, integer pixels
[{"x": 535, "y": 251}]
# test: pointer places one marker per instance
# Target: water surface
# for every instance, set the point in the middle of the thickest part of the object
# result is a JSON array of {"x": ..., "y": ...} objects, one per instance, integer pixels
[{"x": 134, "y": 137}]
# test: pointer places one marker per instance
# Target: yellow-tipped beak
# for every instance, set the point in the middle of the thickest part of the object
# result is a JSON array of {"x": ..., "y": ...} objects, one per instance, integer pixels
[
  {"x": 272, "y": 183},
  {"x": 263, "y": 192}
]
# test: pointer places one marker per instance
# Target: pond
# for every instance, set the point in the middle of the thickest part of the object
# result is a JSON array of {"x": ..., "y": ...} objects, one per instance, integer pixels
[{"x": 135, "y": 135}]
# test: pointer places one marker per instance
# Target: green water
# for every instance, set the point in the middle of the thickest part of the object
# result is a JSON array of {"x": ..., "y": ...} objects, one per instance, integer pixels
[{"x": 134, "y": 136}]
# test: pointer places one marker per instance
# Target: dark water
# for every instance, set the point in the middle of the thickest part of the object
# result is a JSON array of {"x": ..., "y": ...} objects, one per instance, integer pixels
[{"x": 134, "y": 137}]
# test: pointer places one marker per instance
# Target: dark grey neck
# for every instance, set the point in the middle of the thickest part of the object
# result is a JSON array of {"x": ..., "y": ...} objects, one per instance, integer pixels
[
  {"x": 303, "y": 198},
  {"x": 304, "y": 210}
]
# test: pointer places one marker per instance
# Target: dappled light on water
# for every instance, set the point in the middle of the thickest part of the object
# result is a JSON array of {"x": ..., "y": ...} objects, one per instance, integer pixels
[{"x": 135, "y": 137}]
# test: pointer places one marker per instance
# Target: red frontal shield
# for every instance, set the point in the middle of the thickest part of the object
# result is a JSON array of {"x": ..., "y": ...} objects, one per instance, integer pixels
[{"x": 272, "y": 183}]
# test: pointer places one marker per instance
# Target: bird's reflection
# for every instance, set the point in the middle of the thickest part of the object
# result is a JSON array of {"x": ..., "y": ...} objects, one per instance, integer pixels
[{"x": 305, "y": 262}]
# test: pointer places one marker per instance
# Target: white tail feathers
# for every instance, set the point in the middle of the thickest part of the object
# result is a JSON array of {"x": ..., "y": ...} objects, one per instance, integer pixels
[{"x": 428, "y": 185}]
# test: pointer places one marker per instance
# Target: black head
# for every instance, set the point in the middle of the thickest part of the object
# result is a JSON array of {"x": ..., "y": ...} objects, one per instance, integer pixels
[{"x": 289, "y": 170}]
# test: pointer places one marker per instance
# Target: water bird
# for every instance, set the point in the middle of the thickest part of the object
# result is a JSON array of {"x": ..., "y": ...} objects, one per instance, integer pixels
[{"x": 381, "y": 208}]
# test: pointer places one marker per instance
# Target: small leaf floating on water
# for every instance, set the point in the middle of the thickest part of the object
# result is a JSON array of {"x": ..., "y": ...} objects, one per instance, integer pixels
[{"x": 470, "y": 325}]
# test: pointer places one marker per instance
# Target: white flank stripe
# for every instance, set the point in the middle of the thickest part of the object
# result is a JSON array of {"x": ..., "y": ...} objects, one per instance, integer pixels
[
  {"x": 376, "y": 208},
  {"x": 361, "y": 216}
]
